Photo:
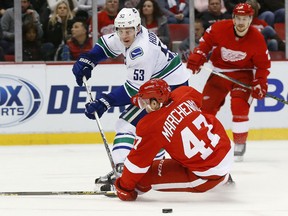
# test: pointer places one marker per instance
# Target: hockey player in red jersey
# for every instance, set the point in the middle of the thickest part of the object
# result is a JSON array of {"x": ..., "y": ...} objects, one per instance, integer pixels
[
  {"x": 238, "y": 50},
  {"x": 201, "y": 152}
]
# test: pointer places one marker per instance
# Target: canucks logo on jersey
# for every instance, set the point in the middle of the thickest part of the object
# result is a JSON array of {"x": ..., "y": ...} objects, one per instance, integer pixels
[{"x": 136, "y": 52}]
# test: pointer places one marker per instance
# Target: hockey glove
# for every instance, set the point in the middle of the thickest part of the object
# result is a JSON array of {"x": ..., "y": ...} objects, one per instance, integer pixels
[
  {"x": 83, "y": 67},
  {"x": 259, "y": 88},
  {"x": 124, "y": 194},
  {"x": 99, "y": 106},
  {"x": 195, "y": 61}
]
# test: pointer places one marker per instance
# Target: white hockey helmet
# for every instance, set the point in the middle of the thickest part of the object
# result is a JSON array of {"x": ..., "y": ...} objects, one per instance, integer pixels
[{"x": 126, "y": 18}]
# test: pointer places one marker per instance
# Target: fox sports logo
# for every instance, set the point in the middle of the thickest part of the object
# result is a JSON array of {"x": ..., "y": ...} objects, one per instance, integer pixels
[{"x": 20, "y": 100}]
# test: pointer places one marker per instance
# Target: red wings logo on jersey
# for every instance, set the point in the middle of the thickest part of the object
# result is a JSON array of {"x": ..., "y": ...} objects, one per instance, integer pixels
[{"x": 232, "y": 55}]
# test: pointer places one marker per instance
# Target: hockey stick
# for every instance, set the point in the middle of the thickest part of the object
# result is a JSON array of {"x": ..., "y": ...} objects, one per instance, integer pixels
[
  {"x": 242, "y": 84},
  {"x": 100, "y": 128},
  {"x": 48, "y": 193}
]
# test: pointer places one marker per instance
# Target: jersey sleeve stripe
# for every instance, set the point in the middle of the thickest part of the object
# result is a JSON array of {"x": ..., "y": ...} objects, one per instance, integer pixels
[
  {"x": 192, "y": 184},
  {"x": 168, "y": 69},
  {"x": 124, "y": 139},
  {"x": 132, "y": 114},
  {"x": 160, "y": 154},
  {"x": 135, "y": 169},
  {"x": 130, "y": 89},
  {"x": 102, "y": 43}
]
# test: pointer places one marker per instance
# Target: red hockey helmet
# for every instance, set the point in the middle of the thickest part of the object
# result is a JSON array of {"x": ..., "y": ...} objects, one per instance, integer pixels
[
  {"x": 243, "y": 9},
  {"x": 153, "y": 89}
]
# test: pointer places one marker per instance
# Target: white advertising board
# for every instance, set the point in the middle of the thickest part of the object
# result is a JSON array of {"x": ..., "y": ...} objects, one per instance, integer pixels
[{"x": 39, "y": 98}]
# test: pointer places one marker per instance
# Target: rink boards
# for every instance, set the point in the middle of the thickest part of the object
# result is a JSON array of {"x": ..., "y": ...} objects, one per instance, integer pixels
[{"x": 41, "y": 104}]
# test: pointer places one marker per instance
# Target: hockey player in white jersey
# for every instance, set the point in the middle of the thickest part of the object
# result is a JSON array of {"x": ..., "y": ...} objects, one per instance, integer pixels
[{"x": 146, "y": 57}]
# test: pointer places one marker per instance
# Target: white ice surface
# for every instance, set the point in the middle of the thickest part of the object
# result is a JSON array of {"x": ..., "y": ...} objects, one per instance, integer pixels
[{"x": 261, "y": 184}]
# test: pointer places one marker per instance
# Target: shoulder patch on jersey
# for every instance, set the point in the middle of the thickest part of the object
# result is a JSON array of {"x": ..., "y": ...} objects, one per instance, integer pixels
[{"x": 136, "y": 52}]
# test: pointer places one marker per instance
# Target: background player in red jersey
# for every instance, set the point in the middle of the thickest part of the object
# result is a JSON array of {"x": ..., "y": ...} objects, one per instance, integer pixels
[
  {"x": 201, "y": 152},
  {"x": 239, "y": 51}
]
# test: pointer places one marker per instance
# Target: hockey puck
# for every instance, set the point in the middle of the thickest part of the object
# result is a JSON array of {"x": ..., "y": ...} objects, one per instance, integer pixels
[{"x": 167, "y": 210}]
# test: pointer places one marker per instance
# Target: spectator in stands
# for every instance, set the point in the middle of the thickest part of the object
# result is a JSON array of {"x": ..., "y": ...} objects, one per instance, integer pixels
[
  {"x": 31, "y": 44},
  {"x": 106, "y": 18},
  {"x": 213, "y": 14},
  {"x": 274, "y": 42},
  {"x": 153, "y": 19},
  {"x": 177, "y": 11},
  {"x": 4, "y": 5},
  {"x": 33, "y": 49},
  {"x": 73, "y": 5},
  {"x": 7, "y": 22},
  {"x": 202, "y": 5},
  {"x": 85, "y": 5},
  {"x": 184, "y": 47},
  {"x": 272, "y": 11},
  {"x": 58, "y": 29},
  {"x": 79, "y": 43}
]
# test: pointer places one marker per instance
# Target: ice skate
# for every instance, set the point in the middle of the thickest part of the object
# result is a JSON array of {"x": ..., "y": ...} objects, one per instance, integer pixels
[
  {"x": 107, "y": 187},
  {"x": 239, "y": 150},
  {"x": 109, "y": 178},
  {"x": 103, "y": 180},
  {"x": 106, "y": 183}
]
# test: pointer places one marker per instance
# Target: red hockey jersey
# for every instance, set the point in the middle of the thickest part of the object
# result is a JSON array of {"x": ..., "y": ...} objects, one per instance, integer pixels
[
  {"x": 231, "y": 52},
  {"x": 197, "y": 141}
]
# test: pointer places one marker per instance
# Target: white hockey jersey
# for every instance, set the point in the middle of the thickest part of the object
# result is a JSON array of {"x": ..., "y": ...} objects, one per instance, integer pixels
[{"x": 145, "y": 59}]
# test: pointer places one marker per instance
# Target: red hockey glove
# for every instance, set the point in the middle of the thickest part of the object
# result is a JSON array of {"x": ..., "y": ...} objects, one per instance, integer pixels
[
  {"x": 124, "y": 194},
  {"x": 259, "y": 88},
  {"x": 195, "y": 61}
]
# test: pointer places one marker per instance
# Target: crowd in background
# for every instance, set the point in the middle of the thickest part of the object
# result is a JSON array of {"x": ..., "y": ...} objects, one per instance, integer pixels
[{"x": 59, "y": 30}]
